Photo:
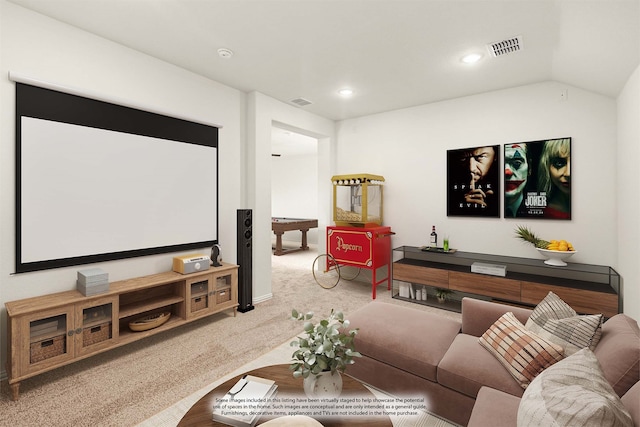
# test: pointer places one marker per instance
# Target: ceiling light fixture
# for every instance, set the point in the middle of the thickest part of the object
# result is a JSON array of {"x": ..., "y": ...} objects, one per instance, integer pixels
[
  {"x": 225, "y": 53},
  {"x": 471, "y": 58},
  {"x": 346, "y": 92}
]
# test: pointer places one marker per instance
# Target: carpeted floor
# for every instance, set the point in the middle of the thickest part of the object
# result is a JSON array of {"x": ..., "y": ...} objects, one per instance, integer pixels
[
  {"x": 171, "y": 416},
  {"x": 128, "y": 385}
]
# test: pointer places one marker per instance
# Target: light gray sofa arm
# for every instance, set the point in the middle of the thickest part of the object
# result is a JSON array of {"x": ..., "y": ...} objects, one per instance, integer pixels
[{"x": 479, "y": 315}]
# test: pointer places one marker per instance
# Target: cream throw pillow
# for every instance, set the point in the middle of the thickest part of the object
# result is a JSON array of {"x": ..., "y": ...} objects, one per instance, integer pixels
[
  {"x": 573, "y": 392},
  {"x": 554, "y": 320},
  {"x": 521, "y": 351}
]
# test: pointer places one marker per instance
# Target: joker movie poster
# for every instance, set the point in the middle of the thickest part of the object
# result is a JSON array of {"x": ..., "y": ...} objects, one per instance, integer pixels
[
  {"x": 473, "y": 182},
  {"x": 537, "y": 179}
]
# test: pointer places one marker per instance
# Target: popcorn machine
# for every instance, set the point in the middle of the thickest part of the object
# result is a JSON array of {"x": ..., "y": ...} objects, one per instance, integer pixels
[
  {"x": 358, "y": 240},
  {"x": 357, "y": 199}
]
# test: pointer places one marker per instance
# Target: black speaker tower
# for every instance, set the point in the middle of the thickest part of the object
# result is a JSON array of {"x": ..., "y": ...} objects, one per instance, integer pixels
[{"x": 245, "y": 261}]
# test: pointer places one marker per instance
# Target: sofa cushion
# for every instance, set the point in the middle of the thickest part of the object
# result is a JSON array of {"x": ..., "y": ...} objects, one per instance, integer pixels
[
  {"x": 468, "y": 366},
  {"x": 556, "y": 321},
  {"x": 418, "y": 350},
  {"x": 631, "y": 401},
  {"x": 494, "y": 408},
  {"x": 619, "y": 352},
  {"x": 573, "y": 392},
  {"x": 478, "y": 315},
  {"x": 523, "y": 353}
]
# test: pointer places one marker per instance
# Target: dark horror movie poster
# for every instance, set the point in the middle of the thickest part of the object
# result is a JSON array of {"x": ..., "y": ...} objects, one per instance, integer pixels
[
  {"x": 473, "y": 182},
  {"x": 537, "y": 179}
]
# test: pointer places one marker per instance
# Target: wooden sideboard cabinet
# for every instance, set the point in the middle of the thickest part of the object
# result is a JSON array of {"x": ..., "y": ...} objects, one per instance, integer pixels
[
  {"x": 53, "y": 330},
  {"x": 589, "y": 289}
]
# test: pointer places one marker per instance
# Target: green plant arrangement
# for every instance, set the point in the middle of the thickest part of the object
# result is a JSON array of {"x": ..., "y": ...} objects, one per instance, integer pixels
[
  {"x": 442, "y": 294},
  {"x": 326, "y": 346}
]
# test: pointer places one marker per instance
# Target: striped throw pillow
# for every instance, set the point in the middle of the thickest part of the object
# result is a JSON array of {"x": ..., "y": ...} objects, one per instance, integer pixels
[
  {"x": 522, "y": 352},
  {"x": 554, "y": 320}
]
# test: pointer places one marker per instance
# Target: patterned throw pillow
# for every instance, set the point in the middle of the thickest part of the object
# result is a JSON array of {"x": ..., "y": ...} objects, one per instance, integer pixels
[
  {"x": 573, "y": 392},
  {"x": 522, "y": 352},
  {"x": 554, "y": 320}
]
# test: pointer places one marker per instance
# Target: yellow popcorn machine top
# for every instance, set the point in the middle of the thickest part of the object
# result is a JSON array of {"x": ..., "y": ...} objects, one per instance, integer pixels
[{"x": 357, "y": 199}]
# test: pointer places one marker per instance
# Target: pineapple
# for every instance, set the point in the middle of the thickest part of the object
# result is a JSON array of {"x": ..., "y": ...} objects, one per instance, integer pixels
[{"x": 528, "y": 236}]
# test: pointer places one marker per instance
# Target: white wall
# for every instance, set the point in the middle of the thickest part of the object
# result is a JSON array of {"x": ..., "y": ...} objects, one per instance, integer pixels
[
  {"x": 262, "y": 113},
  {"x": 412, "y": 143},
  {"x": 294, "y": 192},
  {"x": 408, "y": 147},
  {"x": 54, "y": 52},
  {"x": 628, "y": 182}
]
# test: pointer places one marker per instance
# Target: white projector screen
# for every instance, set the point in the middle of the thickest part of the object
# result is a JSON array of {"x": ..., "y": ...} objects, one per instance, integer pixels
[{"x": 92, "y": 190}]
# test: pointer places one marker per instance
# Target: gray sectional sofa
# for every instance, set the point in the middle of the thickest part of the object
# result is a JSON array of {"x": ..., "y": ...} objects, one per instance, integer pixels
[{"x": 410, "y": 352}]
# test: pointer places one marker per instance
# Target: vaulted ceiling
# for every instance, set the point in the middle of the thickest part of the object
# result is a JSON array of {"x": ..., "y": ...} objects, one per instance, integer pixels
[{"x": 392, "y": 53}]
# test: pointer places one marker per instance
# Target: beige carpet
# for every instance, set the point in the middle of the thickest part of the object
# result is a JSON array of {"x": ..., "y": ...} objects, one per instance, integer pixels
[
  {"x": 128, "y": 385},
  {"x": 171, "y": 416}
]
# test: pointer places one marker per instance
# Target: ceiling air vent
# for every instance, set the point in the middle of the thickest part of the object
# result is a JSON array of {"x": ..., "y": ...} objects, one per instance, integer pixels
[
  {"x": 505, "y": 47},
  {"x": 300, "y": 102}
]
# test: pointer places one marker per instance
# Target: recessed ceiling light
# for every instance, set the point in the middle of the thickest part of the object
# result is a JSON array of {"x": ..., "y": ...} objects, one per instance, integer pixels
[
  {"x": 345, "y": 92},
  {"x": 471, "y": 58},
  {"x": 225, "y": 53}
]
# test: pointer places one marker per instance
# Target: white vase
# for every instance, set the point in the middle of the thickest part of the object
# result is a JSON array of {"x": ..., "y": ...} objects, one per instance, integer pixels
[{"x": 324, "y": 385}]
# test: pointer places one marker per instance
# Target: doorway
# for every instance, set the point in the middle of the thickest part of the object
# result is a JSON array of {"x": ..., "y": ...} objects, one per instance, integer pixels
[{"x": 294, "y": 183}]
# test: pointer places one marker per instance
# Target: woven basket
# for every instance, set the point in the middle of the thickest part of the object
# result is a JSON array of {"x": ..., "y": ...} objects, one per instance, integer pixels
[
  {"x": 96, "y": 334},
  {"x": 149, "y": 322},
  {"x": 198, "y": 303},
  {"x": 223, "y": 296},
  {"x": 46, "y": 349}
]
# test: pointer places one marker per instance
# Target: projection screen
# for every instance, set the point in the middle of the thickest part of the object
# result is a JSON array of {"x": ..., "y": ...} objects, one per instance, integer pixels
[{"x": 97, "y": 181}]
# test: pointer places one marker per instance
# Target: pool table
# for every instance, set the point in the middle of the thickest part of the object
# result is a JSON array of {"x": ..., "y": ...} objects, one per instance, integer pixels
[{"x": 280, "y": 225}]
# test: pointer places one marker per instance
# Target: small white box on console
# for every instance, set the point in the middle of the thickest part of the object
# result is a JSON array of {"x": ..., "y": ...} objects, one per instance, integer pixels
[
  {"x": 491, "y": 269},
  {"x": 92, "y": 281},
  {"x": 89, "y": 276}
]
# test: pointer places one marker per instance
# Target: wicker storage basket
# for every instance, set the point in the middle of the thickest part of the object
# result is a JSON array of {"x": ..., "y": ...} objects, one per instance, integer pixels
[
  {"x": 48, "y": 348},
  {"x": 223, "y": 295},
  {"x": 198, "y": 303},
  {"x": 96, "y": 334}
]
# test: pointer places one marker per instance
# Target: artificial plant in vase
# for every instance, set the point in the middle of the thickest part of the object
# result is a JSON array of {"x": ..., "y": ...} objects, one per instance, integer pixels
[
  {"x": 326, "y": 351},
  {"x": 442, "y": 294}
]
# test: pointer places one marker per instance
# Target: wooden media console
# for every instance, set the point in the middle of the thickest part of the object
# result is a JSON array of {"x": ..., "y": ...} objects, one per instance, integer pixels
[
  {"x": 589, "y": 289},
  {"x": 54, "y": 330}
]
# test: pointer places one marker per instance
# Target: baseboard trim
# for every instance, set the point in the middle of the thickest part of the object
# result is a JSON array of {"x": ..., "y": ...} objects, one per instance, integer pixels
[{"x": 263, "y": 298}]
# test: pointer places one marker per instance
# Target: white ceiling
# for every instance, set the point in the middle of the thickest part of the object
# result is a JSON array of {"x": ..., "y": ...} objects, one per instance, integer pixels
[
  {"x": 287, "y": 143},
  {"x": 393, "y": 53}
]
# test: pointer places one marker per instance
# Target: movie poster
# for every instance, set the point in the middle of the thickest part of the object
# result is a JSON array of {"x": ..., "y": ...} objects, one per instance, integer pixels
[
  {"x": 537, "y": 179},
  {"x": 473, "y": 182}
]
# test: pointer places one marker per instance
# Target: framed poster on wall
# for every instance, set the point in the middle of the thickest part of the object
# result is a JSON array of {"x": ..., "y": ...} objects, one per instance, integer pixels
[
  {"x": 473, "y": 181},
  {"x": 537, "y": 179}
]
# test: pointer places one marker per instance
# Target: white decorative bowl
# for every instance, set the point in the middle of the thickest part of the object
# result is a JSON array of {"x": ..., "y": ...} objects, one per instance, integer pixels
[{"x": 555, "y": 258}]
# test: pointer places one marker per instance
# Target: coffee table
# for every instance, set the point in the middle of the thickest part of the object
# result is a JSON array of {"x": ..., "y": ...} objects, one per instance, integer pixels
[{"x": 200, "y": 413}]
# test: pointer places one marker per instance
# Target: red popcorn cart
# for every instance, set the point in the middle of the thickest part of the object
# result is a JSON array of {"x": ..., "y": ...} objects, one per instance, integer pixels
[{"x": 350, "y": 249}]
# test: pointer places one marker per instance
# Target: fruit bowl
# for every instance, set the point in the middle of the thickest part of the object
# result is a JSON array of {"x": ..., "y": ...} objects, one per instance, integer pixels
[{"x": 555, "y": 258}]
